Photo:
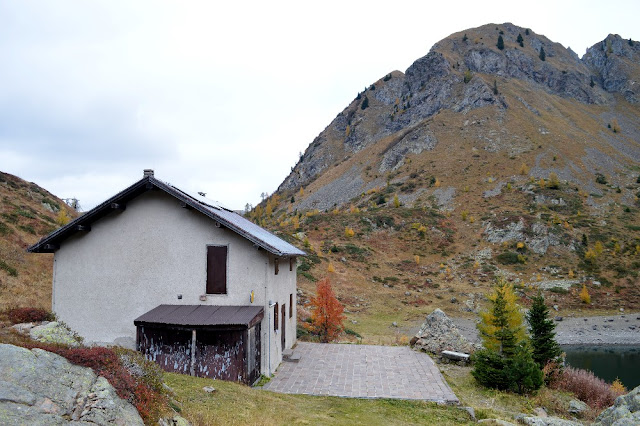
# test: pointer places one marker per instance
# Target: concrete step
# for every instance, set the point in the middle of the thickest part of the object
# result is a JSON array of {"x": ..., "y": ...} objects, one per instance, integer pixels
[{"x": 289, "y": 355}]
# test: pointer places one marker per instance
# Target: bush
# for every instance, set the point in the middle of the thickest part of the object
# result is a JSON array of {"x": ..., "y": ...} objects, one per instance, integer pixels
[
  {"x": 601, "y": 179},
  {"x": 490, "y": 369},
  {"x": 585, "y": 386},
  {"x": 542, "y": 56},
  {"x": 518, "y": 373},
  {"x": 20, "y": 315},
  {"x": 508, "y": 258},
  {"x": 500, "y": 44}
]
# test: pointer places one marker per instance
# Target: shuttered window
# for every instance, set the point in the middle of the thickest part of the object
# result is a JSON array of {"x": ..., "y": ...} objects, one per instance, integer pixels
[
  {"x": 275, "y": 318},
  {"x": 216, "y": 269},
  {"x": 290, "y": 305}
]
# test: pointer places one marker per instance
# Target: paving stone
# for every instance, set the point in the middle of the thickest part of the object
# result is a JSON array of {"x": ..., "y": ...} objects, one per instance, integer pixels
[{"x": 362, "y": 371}]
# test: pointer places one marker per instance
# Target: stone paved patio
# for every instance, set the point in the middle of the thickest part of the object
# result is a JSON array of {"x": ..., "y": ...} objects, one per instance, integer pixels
[{"x": 362, "y": 371}]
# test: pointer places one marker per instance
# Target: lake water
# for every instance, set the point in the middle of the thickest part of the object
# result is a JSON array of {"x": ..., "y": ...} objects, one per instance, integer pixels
[{"x": 607, "y": 362}]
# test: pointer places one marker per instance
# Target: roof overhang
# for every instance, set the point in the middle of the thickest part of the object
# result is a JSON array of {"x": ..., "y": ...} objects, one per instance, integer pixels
[
  {"x": 201, "y": 316},
  {"x": 222, "y": 217}
]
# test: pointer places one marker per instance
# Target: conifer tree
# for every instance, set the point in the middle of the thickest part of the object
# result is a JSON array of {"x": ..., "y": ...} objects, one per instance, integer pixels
[
  {"x": 500, "y": 43},
  {"x": 501, "y": 327},
  {"x": 541, "y": 328},
  {"x": 523, "y": 374},
  {"x": 520, "y": 40},
  {"x": 542, "y": 55},
  {"x": 365, "y": 103},
  {"x": 506, "y": 362}
]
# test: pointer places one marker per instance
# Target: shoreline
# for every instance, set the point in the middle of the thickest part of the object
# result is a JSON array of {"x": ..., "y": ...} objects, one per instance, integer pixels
[{"x": 611, "y": 330}]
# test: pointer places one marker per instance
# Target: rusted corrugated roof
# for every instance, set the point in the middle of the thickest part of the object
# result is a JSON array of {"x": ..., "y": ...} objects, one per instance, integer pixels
[
  {"x": 212, "y": 209},
  {"x": 202, "y": 315}
]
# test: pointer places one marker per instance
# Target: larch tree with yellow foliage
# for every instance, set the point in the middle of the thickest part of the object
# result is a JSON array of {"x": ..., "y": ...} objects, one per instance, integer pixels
[
  {"x": 62, "y": 218},
  {"x": 501, "y": 327}
]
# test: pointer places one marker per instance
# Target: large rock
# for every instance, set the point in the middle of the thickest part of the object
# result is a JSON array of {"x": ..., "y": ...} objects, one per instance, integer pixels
[
  {"x": 546, "y": 421},
  {"x": 438, "y": 333},
  {"x": 55, "y": 332},
  {"x": 625, "y": 411},
  {"x": 41, "y": 388}
]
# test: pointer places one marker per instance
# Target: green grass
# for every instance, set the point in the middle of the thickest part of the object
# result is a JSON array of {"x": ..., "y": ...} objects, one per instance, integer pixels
[{"x": 235, "y": 404}]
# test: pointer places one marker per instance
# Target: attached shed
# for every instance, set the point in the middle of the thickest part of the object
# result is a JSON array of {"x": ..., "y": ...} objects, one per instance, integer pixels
[{"x": 218, "y": 342}]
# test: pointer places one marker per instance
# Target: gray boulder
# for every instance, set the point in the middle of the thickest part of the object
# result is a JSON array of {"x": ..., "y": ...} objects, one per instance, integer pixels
[
  {"x": 41, "y": 388},
  {"x": 55, "y": 332},
  {"x": 546, "y": 421},
  {"x": 577, "y": 407},
  {"x": 438, "y": 333},
  {"x": 625, "y": 411}
]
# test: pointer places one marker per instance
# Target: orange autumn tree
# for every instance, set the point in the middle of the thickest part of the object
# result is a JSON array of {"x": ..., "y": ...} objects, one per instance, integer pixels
[{"x": 327, "y": 316}]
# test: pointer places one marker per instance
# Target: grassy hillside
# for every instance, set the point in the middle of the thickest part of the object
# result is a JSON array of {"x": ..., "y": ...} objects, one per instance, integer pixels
[{"x": 27, "y": 213}]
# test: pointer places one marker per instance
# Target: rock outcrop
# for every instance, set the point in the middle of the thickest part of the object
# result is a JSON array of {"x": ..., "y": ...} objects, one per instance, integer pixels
[
  {"x": 625, "y": 411},
  {"x": 438, "y": 333},
  {"x": 41, "y": 388}
]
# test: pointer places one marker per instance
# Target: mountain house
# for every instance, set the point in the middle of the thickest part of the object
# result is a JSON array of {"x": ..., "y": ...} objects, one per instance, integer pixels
[{"x": 193, "y": 285}]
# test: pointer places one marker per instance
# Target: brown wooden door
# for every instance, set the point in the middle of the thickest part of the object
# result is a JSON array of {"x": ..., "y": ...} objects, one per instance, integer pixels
[{"x": 283, "y": 328}]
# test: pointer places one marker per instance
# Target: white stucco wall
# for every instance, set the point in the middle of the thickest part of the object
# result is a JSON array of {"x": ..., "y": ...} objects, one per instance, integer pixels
[{"x": 132, "y": 261}]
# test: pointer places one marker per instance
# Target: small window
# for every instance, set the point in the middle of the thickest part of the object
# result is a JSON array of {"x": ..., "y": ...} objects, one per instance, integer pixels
[
  {"x": 291, "y": 305},
  {"x": 275, "y": 318},
  {"x": 216, "y": 269}
]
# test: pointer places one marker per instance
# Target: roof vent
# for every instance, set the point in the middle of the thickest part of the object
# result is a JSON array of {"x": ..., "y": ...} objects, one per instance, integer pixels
[{"x": 147, "y": 172}]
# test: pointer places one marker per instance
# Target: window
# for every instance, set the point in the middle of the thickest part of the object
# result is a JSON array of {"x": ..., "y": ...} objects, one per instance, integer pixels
[
  {"x": 216, "y": 269},
  {"x": 275, "y": 318},
  {"x": 290, "y": 305}
]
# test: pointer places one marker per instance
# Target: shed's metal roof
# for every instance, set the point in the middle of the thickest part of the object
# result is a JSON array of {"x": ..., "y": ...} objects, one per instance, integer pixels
[
  {"x": 202, "y": 315},
  {"x": 212, "y": 209}
]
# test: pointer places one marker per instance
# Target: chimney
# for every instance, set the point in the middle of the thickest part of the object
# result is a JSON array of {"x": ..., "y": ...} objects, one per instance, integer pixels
[{"x": 147, "y": 172}]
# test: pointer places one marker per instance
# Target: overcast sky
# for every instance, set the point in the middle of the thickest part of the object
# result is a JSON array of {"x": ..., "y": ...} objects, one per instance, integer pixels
[{"x": 219, "y": 97}]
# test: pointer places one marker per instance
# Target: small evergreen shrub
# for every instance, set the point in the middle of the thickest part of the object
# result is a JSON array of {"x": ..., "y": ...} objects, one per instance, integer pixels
[
  {"x": 601, "y": 179},
  {"x": 520, "y": 40},
  {"x": 490, "y": 369},
  {"x": 542, "y": 55},
  {"x": 508, "y": 258},
  {"x": 467, "y": 76},
  {"x": 500, "y": 44}
]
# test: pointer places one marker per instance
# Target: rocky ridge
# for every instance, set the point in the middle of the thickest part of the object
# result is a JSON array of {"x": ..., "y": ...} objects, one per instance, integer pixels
[{"x": 462, "y": 73}]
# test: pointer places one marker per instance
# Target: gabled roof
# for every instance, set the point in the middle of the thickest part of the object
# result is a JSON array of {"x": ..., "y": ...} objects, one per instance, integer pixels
[{"x": 212, "y": 209}]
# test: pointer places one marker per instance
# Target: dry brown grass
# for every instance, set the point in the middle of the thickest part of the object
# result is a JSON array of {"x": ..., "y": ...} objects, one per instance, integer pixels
[{"x": 23, "y": 220}]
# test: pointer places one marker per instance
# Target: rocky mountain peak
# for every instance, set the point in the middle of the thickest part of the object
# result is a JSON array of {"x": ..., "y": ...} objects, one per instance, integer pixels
[
  {"x": 614, "y": 62},
  {"x": 498, "y": 86}
]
